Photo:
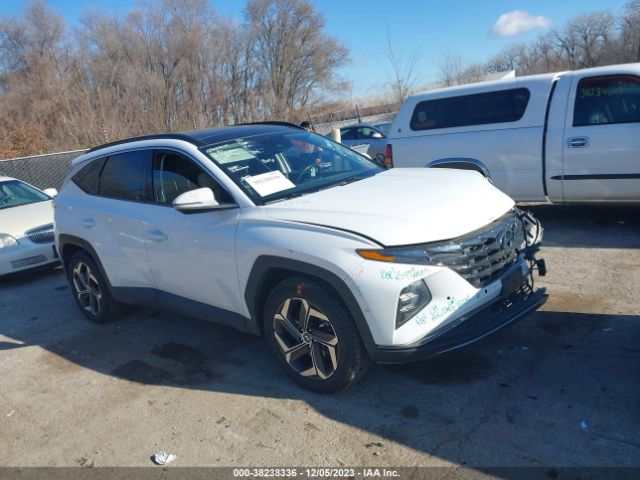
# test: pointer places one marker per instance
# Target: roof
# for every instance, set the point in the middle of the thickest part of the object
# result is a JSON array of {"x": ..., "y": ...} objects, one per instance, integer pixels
[
  {"x": 511, "y": 82},
  {"x": 504, "y": 83},
  {"x": 209, "y": 136},
  {"x": 364, "y": 124}
]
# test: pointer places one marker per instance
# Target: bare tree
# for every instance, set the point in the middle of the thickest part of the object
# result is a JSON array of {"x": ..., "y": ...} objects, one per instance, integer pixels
[
  {"x": 403, "y": 76},
  {"x": 452, "y": 71},
  {"x": 297, "y": 58},
  {"x": 450, "y": 68},
  {"x": 630, "y": 24},
  {"x": 584, "y": 39}
]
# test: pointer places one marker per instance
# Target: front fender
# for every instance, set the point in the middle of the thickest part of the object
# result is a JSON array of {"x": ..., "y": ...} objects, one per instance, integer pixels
[{"x": 261, "y": 273}]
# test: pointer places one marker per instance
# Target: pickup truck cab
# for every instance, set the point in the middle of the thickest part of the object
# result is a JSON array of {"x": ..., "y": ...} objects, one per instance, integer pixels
[{"x": 563, "y": 137}]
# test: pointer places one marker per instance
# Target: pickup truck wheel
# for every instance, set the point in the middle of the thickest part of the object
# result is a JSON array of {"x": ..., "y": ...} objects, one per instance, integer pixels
[
  {"x": 313, "y": 336},
  {"x": 91, "y": 291}
]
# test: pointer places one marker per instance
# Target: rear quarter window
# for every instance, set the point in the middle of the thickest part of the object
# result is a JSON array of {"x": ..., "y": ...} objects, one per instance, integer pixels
[
  {"x": 88, "y": 177},
  {"x": 466, "y": 110}
]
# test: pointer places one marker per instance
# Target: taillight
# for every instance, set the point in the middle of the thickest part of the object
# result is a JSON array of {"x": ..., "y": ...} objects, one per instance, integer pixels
[{"x": 388, "y": 156}]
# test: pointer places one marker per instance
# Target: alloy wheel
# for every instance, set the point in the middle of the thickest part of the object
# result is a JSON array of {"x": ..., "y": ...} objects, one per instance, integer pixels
[
  {"x": 87, "y": 288},
  {"x": 306, "y": 339}
]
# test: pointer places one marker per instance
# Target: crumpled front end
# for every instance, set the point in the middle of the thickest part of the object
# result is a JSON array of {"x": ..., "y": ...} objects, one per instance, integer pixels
[{"x": 451, "y": 293}]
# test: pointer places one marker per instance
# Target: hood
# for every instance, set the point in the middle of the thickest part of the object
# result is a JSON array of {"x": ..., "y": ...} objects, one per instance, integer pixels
[
  {"x": 17, "y": 220},
  {"x": 402, "y": 206}
]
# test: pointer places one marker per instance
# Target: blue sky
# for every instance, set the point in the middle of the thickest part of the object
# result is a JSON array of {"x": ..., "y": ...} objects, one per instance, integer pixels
[{"x": 422, "y": 27}]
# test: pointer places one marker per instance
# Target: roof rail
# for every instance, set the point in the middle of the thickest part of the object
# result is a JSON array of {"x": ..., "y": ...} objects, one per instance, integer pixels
[
  {"x": 173, "y": 136},
  {"x": 273, "y": 122}
]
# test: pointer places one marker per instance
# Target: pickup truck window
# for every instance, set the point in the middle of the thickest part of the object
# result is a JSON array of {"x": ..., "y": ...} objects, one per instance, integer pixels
[
  {"x": 605, "y": 100},
  {"x": 478, "y": 109}
]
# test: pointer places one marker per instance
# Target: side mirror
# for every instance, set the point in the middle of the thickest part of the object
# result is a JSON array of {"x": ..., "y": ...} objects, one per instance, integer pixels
[
  {"x": 377, "y": 135},
  {"x": 380, "y": 160},
  {"x": 198, "y": 200},
  {"x": 52, "y": 192}
]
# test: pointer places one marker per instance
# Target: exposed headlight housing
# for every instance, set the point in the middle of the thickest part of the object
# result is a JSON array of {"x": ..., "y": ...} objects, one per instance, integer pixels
[
  {"x": 411, "y": 300},
  {"x": 7, "y": 241}
]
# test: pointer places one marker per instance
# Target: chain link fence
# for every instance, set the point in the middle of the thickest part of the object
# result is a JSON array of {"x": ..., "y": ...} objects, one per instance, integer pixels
[{"x": 42, "y": 171}]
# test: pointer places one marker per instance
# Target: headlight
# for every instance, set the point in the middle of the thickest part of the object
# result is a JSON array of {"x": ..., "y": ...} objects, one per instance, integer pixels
[
  {"x": 428, "y": 254},
  {"x": 7, "y": 241},
  {"x": 411, "y": 300}
]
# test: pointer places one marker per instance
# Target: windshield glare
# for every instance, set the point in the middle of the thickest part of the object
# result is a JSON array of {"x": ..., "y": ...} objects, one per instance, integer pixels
[
  {"x": 14, "y": 193},
  {"x": 283, "y": 165}
]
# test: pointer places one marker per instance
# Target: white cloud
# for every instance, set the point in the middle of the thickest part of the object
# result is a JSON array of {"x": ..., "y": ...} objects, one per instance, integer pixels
[{"x": 517, "y": 22}]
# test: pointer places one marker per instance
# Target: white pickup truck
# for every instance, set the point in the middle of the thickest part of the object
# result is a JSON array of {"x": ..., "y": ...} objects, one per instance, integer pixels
[{"x": 564, "y": 137}]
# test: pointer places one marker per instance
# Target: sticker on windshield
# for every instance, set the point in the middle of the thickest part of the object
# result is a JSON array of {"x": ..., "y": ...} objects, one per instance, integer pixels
[
  {"x": 230, "y": 154},
  {"x": 268, "y": 183}
]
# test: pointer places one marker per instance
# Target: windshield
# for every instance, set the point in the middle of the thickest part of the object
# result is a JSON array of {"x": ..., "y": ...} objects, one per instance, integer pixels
[
  {"x": 277, "y": 166},
  {"x": 14, "y": 193},
  {"x": 384, "y": 127}
]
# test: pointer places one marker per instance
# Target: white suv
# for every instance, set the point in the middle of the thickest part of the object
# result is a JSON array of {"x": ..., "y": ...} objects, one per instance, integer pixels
[{"x": 280, "y": 232}]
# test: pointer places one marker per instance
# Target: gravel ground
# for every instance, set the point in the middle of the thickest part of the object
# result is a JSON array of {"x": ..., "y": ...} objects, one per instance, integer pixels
[{"x": 559, "y": 388}]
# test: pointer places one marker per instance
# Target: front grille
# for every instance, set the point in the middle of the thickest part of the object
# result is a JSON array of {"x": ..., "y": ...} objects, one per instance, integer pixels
[
  {"x": 23, "y": 262},
  {"x": 481, "y": 256},
  {"x": 43, "y": 234}
]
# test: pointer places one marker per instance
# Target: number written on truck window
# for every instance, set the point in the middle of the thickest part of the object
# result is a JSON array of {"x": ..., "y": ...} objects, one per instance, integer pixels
[{"x": 605, "y": 100}]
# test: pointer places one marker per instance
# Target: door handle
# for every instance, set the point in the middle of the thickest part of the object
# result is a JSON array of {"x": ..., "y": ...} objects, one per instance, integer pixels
[
  {"x": 156, "y": 235},
  {"x": 88, "y": 222},
  {"x": 578, "y": 142}
]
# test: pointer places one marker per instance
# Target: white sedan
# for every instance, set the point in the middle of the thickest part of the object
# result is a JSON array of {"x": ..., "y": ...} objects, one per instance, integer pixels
[{"x": 26, "y": 226}]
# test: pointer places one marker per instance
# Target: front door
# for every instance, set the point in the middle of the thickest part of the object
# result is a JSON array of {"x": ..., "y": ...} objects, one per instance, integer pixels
[
  {"x": 191, "y": 255},
  {"x": 601, "y": 160}
]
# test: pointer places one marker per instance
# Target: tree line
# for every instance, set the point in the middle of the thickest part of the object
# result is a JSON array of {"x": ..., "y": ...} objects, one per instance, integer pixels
[
  {"x": 172, "y": 65},
  {"x": 165, "y": 66},
  {"x": 588, "y": 40}
]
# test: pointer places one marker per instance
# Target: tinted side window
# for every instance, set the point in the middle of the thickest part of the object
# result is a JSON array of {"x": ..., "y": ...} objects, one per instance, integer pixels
[
  {"x": 347, "y": 134},
  {"x": 611, "y": 99},
  {"x": 88, "y": 178},
  {"x": 123, "y": 176},
  {"x": 174, "y": 174},
  {"x": 478, "y": 109}
]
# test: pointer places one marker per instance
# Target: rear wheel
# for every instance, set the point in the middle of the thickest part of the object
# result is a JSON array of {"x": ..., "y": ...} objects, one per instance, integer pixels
[
  {"x": 91, "y": 290},
  {"x": 312, "y": 335}
]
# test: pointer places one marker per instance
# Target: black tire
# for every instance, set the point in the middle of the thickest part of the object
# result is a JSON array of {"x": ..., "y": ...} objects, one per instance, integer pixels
[
  {"x": 97, "y": 304},
  {"x": 328, "y": 322}
]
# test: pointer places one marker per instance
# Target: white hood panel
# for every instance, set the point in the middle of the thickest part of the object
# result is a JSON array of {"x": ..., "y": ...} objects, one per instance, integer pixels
[
  {"x": 402, "y": 206},
  {"x": 17, "y": 220}
]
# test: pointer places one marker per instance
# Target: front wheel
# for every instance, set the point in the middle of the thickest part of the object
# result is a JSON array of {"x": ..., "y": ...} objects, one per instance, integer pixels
[{"x": 313, "y": 336}]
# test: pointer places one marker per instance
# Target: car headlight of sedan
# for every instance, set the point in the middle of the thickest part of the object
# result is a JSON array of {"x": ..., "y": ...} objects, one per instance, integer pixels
[{"x": 7, "y": 241}]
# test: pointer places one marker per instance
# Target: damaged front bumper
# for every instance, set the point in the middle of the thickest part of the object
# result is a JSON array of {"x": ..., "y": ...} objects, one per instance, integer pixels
[
  {"x": 517, "y": 300},
  {"x": 468, "y": 328}
]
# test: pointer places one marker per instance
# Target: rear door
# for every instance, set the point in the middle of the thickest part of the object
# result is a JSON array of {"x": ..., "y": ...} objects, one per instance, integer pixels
[
  {"x": 601, "y": 147},
  {"x": 111, "y": 218}
]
